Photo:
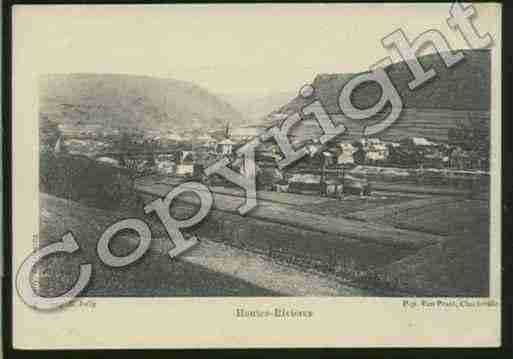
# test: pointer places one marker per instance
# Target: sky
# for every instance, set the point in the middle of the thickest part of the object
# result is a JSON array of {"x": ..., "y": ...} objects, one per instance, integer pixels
[{"x": 252, "y": 48}]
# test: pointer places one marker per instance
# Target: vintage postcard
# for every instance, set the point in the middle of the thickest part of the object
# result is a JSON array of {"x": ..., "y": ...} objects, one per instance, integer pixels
[{"x": 257, "y": 175}]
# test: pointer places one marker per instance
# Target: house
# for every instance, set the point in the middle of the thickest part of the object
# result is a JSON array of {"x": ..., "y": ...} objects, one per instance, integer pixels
[
  {"x": 185, "y": 169},
  {"x": 420, "y": 141},
  {"x": 166, "y": 164},
  {"x": 307, "y": 183},
  {"x": 186, "y": 156},
  {"x": 246, "y": 132},
  {"x": 108, "y": 160},
  {"x": 312, "y": 148},
  {"x": 345, "y": 153},
  {"x": 185, "y": 165},
  {"x": 376, "y": 152},
  {"x": 375, "y": 149},
  {"x": 465, "y": 160},
  {"x": 225, "y": 147}
]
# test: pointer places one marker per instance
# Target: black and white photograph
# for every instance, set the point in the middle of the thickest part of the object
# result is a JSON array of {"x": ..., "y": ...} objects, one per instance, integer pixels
[{"x": 261, "y": 151}]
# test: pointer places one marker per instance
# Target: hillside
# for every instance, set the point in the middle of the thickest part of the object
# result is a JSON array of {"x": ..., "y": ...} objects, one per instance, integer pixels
[
  {"x": 127, "y": 101},
  {"x": 175, "y": 277},
  {"x": 209, "y": 269},
  {"x": 456, "y": 94},
  {"x": 458, "y": 267}
]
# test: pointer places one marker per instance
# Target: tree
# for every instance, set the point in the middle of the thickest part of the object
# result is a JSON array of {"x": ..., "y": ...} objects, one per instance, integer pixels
[
  {"x": 359, "y": 154},
  {"x": 472, "y": 135},
  {"x": 407, "y": 154},
  {"x": 49, "y": 132},
  {"x": 124, "y": 142}
]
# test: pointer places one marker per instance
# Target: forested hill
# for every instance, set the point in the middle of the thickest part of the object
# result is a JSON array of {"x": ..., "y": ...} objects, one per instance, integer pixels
[{"x": 131, "y": 101}]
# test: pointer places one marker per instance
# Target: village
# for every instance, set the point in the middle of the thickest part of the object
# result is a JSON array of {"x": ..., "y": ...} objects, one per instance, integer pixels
[{"x": 324, "y": 172}]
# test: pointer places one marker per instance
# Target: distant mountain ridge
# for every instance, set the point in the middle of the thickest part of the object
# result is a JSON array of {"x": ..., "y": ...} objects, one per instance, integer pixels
[
  {"x": 455, "y": 94},
  {"x": 254, "y": 107},
  {"x": 132, "y": 101}
]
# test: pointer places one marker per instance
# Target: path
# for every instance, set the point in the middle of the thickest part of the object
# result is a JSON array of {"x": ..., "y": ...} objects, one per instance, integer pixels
[{"x": 262, "y": 271}]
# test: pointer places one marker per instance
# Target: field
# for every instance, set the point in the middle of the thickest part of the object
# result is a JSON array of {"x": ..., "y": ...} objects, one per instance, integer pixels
[
  {"x": 445, "y": 216},
  {"x": 272, "y": 211},
  {"x": 307, "y": 231},
  {"x": 458, "y": 266},
  {"x": 360, "y": 235}
]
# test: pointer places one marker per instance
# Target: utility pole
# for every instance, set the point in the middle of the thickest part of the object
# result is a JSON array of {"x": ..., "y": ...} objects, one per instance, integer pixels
[
  {"x": 343, "y": 176},
  {"x": 323, "y": 175}
]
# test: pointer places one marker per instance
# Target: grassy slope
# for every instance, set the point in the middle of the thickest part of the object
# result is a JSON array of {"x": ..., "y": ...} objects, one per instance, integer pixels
[
  {"x": 210, "y": 269},
  {"x": 155, "y": 274},
  {"x": 456, "y": 267},
  {"x": 458, "y": 92}
]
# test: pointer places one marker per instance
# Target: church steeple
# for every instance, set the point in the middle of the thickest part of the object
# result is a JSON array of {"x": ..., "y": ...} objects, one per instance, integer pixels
[{"x": 228, "y": 130}]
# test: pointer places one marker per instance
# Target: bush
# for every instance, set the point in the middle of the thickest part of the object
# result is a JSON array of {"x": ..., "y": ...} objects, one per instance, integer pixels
[{"x": 82, "y": 179}]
